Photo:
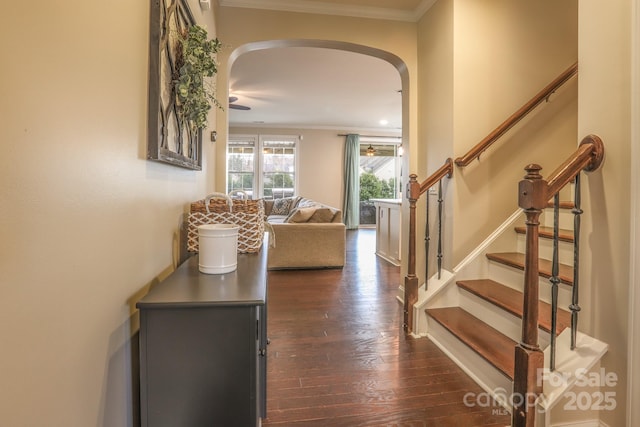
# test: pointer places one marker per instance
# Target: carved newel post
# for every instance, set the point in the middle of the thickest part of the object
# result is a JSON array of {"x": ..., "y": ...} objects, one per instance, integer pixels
[
  {"x": 529, "y": 359},
  {"x": 411, "y": 281}
]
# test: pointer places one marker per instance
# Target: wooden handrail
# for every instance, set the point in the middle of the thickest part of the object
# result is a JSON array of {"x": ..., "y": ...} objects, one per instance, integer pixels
[
  {"x": 479, "y": 148},
  {"x": 588, "y": 157},
  {"x": 445, "y": 170},
  {"x": 533, "y": 195}
]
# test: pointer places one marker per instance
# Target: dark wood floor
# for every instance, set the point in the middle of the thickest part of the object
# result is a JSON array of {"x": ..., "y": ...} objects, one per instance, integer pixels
[{"x": 338, "y": 355}]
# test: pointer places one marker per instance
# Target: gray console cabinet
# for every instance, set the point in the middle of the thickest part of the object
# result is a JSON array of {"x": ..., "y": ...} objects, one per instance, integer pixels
[{"x": 203, "y": 347}]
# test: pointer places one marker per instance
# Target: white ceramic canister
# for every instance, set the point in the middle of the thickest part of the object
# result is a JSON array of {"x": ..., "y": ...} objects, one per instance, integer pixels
[{"x": 218, "y": 245}]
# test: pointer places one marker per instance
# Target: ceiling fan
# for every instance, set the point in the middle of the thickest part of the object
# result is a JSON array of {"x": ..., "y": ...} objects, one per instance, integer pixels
[{"x": 233, "y": 106}]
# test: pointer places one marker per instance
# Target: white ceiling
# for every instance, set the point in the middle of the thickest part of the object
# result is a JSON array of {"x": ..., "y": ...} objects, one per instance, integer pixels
[
  {"x": 320, "y": 88},
  {"x": 309, "y": 87}
]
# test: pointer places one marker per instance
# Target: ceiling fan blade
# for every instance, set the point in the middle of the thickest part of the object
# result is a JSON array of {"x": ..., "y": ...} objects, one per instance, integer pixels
[
  {"x": 239, "y": 107},
  {"x": 232, "y": 99}
]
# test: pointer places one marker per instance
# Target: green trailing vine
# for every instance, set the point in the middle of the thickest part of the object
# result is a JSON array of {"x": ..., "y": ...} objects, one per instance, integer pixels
[{"x": 196, "y": 61}]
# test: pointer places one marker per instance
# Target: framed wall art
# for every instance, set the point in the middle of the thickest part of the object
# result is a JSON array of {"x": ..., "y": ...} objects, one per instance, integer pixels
[{"x": 174, "y": 135}]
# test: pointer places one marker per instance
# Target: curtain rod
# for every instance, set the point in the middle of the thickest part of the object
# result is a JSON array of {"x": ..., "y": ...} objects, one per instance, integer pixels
[{"x": 370, "y": 136}]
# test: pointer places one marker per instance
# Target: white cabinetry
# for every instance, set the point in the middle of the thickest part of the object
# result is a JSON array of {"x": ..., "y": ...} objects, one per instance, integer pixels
[{"x": 388, "y": 219}]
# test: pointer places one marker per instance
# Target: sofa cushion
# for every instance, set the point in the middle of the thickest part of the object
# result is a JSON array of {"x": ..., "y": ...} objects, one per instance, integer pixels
[
  {"x": 283, "y": 206},
  {"x": 268, "y": 205},
  {"x": 323, "y": 214},
  {"x": 277, "y": 219},
  {"x": 301, "y": 214},
  {"x": 317, "y": 213}
]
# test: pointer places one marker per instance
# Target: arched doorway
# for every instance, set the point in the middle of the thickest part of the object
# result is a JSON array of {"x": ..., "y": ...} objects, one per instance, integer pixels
[
  {"x": 331, "y": 62},
  {"x": 315, "y": 166}
]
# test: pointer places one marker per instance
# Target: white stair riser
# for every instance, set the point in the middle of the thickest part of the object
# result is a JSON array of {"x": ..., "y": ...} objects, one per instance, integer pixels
[
  {"x": 514, "y": 278},
  {"x": 481, "y": 371},
  {"x": 497, "y": 318},
  {"x": 545, "y": 249},
  {"x": 565, "y": 218}
]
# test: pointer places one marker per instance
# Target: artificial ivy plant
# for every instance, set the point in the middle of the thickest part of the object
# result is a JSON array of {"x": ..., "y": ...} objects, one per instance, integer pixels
[{"x": 195, "y": 61}]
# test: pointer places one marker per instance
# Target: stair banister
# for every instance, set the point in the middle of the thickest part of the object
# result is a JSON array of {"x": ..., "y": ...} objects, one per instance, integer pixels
[
  {"x": 544, "y": 94},
  {"x": 533, "y": 195},
  {"x": 415, "y": 189},
  {"x": 532, "y": 198},
  {"x": 413, "y": 193},
  {"x": 587, "y": 157}
]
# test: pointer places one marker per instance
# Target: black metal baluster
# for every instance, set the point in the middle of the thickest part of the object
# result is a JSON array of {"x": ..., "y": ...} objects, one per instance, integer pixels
[
  {"x": 554, "y": 280},
  {"x": 575, "y": 307},
  {"x": 439, "y": 228},
  {"x": 427, "y": 240}
]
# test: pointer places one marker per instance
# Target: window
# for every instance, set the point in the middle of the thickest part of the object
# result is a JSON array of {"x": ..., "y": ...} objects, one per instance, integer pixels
[
  {"x": 263, "y": 166},
  {"x": 240, "y": 164},
  {"x": 278, "y": 168}
]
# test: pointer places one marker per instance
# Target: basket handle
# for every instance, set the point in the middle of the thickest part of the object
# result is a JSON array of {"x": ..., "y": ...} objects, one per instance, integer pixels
[
  {"x": 243, "y": 194},
  {"x": 218, "y": 196}
]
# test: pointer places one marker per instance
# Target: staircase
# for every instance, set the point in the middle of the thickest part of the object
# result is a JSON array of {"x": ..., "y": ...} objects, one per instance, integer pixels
[
  {"x": 475, "y": 316},
  {"x": 491, "y": 313}
]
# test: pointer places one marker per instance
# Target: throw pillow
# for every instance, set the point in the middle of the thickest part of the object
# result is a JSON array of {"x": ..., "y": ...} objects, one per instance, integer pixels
[
  {"x": 282, "y": 206},
  {"x": 268, "y": 205},
  {"x": 323, "y": 215},
  {"x": 300, "y": 215},
  {"x": 307, "y": 203}
]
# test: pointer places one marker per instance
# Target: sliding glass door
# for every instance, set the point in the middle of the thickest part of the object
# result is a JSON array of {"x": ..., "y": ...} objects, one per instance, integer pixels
[{"x": 380, "y": 176}]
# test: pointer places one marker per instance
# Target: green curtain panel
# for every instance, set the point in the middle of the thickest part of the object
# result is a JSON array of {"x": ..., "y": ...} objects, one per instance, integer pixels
[{"x": 351, "y": 202}]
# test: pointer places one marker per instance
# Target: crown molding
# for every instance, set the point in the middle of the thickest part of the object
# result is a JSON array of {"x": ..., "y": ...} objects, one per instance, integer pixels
[{"x": 319, "y": 7}]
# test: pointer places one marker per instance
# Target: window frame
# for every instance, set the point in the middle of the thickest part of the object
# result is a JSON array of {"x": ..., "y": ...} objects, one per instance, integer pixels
[
  {"x": 241, "y": 138},
  {"x": 258, "y": 160}
]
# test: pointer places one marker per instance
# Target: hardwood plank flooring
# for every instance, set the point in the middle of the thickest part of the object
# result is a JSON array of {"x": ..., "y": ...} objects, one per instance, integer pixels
[{"x": 339, "y": 357}]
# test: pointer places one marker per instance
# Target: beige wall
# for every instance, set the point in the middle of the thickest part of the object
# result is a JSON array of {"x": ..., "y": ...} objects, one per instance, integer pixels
[
  {"x": 524, "y": 46},
  {"x": 435, "y": 93},
  {"x": 86, "y": 223},
  {"x": 633, "y": 344},
  {"x": 604, "y": 109},
  {"x": 469, "y": 84}
]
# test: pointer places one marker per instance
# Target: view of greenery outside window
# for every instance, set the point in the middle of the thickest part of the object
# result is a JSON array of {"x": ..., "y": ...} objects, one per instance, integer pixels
[
  {"x": 379, "y": 178},
  {"x": 279, "y": 165},
  {"x": 263, "y": 166},
  {"x": 240, "y": 165}
]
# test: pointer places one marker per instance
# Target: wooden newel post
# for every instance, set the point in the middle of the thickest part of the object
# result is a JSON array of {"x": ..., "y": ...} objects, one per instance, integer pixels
[
  {"x": 411, "y": 281},
  {"x": 529, "y": 359}
]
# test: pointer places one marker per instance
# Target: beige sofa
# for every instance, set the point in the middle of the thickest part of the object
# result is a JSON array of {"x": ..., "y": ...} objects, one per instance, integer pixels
[{"x": 307, "y": 234}]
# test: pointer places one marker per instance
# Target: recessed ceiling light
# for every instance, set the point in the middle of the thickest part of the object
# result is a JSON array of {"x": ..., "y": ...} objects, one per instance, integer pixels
[{"x": 384, "y": 122}]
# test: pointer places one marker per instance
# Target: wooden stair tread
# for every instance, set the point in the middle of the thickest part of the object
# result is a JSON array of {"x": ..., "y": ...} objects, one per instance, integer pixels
[
  {"x": 511, "y": 301},
  {"x": 495, "y": 347},
  {"x": 547, "y": 233},
  {"x": 516, "y": 260}
]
